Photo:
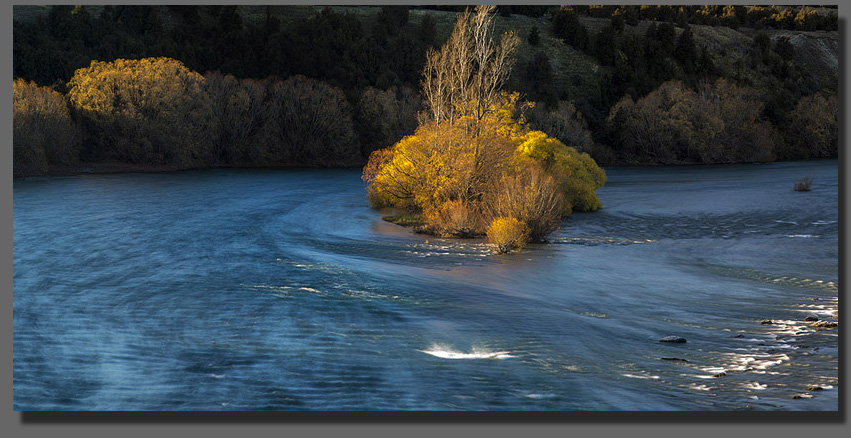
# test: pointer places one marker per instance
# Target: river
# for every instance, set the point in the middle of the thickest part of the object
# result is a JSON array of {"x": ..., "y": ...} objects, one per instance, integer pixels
[{"x": 282, "y": 290}]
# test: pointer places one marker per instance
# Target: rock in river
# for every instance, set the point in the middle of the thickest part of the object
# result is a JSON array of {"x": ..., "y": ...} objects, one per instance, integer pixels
[{"x": 673, "y": 339}]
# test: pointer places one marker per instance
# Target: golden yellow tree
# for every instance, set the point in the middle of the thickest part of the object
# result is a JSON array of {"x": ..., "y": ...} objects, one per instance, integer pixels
[
  {"x": 473, "y": 166},
  {"x": 42, "y": 130},
  {"x": 151, "y": 110}
]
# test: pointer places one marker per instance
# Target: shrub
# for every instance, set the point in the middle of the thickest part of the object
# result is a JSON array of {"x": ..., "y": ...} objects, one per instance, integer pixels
[
  {"x": 455, "y": 219},
  {"x": 803, "y": 184},
  {"x": 436, "y": 164},
  {"x": 150, "y": 110},
  {"x": 530, "y": 196},
  {"x": 506, "y": 234},
  {"x": 814, "y": 126},
  {"x": 577, "y": 173},
  {"x": 564, "y": 122},
  {"x": 42, "y": 130},
  {"x": 718, "y": 123}
]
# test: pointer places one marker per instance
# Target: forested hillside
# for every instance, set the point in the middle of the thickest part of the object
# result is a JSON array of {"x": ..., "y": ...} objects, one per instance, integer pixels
[{"x": 195, "y": 86}]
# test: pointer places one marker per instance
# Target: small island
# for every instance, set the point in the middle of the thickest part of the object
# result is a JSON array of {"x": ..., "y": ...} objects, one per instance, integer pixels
[{"x": 474, "y": 167}]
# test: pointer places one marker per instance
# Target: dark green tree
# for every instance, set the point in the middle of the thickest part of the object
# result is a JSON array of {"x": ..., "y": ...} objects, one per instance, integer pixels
[
  {"x": 534, "y": 36},
  {"x": 685, "y": 52}
]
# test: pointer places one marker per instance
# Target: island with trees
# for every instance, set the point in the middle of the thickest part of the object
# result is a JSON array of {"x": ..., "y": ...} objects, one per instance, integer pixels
[{"x": 471, "y": 134}]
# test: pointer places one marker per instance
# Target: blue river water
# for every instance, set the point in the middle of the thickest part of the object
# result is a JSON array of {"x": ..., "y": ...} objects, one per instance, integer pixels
[{"x": 282, "y": 290}]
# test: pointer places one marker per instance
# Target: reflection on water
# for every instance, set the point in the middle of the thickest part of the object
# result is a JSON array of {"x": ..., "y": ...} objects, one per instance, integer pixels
[{"x": 282, "y": 290}]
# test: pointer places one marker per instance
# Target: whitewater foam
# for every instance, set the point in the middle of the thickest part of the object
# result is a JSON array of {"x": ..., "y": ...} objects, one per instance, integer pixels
[{"x": 445, "y": 353}]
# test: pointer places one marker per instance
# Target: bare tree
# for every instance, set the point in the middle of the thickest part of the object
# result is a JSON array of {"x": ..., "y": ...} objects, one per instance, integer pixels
[{"x": 465, "y": 77}]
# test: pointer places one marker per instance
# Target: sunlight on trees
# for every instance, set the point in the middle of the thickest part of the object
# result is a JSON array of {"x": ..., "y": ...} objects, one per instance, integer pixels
[
  {"x": 506, "y": 234},
  {"x": 147, "y": 111},
  {"x": 473, "y": 166},
  {"x": 42, "y": 130},
  {"x": 465, "y": 76}
]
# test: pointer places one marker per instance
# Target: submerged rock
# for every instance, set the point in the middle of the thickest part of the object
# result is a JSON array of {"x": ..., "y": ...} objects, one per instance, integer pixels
[
  {"x": 766, "y": 321},
  {"x": 673, "y": 339},
  {"x": 674, "y": 359},
  {"x": 825, "y": 324},
  {"x": 811, "y": 318},
  {"x": 721, "y": 374},
  {"x": 814, "y": 388}
]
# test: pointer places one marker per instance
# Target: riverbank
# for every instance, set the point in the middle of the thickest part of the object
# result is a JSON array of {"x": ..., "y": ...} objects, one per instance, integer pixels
[{"x": 112, "y": 166}]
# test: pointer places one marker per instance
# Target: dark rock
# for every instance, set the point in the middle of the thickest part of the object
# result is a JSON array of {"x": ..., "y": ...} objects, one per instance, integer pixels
[
  {"x": 811, "y": 318},
  {"x": 814, "y": 388},
  {"x": 673, "y": 339},
  {"x": 825, "y": 324},
  {"x": 674, "y": 359},
  {"x": 721, "y": 374},
  {"x": 766, "y": 321},
  {"x": 739, "y": 335}
]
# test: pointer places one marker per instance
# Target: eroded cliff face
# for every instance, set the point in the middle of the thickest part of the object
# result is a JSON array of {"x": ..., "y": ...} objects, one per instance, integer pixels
[{"x": 818, "y": 53}]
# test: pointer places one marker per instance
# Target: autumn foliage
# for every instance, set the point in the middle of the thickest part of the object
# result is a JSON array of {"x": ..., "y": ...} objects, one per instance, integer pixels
[
  {"x": 42, "y": 130},
  {"x": 148, "y": 111},
  {"x": 475, "y": 167},
  {"x": 506, "y": 234},
  {"x": 461, "y": 182},
  {"x": 156, "y": 111}
]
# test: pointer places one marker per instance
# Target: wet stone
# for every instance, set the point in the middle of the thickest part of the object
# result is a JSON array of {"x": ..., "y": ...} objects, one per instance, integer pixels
[
  {"x": 721, "y": 374},
  {"x": 811, "y": 318},
  {"x": 825, "y": 324},
  {"x": 814, "y": 388},
  {"x": 674, "y": 359},
  {"x": 673, "y": 339},
  {"x": 766, "y": 322}
]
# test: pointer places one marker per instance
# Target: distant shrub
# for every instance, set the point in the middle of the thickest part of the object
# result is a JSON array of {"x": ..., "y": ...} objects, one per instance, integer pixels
[
  {"x": 804, "y": 184},
  {"x": 42, "y": 130},
  {"x": 564, "y": 122},
  {"x": 814, "y": 126},
  {"x": 506, "y": 234},
  {"x": 719, "y": 123}
]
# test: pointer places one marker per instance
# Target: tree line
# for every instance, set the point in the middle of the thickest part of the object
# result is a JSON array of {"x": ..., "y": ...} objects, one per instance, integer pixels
[
  {"x": 156, "y": 111},
  {"x": 364, "y": 71}
]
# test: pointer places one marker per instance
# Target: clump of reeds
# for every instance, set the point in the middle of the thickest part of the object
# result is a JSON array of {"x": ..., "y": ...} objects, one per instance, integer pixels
[{"x": 803, "y": 184}]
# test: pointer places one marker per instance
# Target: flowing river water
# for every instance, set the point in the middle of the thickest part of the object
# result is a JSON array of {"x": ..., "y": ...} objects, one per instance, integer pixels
[{"x": 283, "y": 290}]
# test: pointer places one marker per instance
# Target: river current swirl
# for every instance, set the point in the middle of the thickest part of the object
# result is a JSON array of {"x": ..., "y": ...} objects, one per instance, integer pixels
[{"x": 283, "y": 290}]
